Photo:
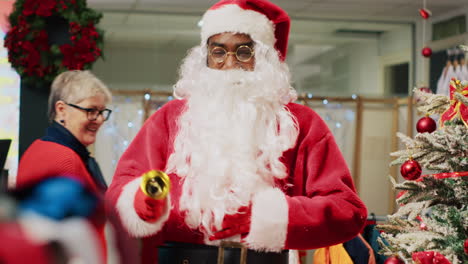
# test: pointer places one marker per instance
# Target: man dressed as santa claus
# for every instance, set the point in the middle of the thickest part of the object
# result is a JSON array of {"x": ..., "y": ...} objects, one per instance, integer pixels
[{"x": 247, "y": 167}]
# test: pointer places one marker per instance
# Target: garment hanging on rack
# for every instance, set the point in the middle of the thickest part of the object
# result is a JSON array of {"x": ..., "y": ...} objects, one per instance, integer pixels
[
  {"x": 464, "y": 72},
  {"x": 332, "y": 255},
  {"x": 458, "y": 72},
  {"x": 444, "y": 85},
  {"x": 441, "y": 80},
  {"x": 371, "y": 234},
  {"x": 443, "y": 75},
  {"x": 371, "y": 251},
  {"x": 357, "y": 250}
]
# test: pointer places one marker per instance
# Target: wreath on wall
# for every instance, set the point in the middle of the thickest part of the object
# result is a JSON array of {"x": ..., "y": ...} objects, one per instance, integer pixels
[{"x": 47, "y": 37}]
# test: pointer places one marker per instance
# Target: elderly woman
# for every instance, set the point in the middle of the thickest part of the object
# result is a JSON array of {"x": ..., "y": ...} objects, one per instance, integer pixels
[{"x": 69, "y": 179}]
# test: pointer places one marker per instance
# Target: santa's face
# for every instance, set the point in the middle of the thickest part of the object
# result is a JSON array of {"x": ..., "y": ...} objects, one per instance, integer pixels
[{"x": 228, "y": 51}]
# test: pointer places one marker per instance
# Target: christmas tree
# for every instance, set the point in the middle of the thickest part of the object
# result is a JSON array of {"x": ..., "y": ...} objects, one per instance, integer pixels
[{"x": 431, "y": 224}]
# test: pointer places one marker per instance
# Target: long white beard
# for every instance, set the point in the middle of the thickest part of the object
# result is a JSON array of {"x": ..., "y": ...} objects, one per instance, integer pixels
[{"x": 231, "y": 135}]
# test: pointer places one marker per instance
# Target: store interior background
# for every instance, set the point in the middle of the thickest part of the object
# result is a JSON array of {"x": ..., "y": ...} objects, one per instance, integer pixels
[{"x": 337, "y": 49}]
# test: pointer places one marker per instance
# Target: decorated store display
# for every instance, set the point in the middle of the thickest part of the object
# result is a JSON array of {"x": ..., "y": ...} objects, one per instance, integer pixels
[{"x": 430, "y": 225}]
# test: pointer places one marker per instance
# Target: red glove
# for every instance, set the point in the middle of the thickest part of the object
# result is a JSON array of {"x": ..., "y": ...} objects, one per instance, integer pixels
[
  {"x": 147, "y": 208},
  {"x": 238, "y": 223}
]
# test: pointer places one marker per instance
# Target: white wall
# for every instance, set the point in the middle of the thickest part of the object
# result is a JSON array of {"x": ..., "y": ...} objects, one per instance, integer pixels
[
  {"x": 339, "y": 71},
  {"x": 139, "y": 67},
  {"x": 364, "y": 66},
  {"x": 397, "y": 41}
]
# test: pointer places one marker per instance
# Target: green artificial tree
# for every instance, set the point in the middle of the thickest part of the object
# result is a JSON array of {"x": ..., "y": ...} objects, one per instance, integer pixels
[{"x": 431, "y": 223}]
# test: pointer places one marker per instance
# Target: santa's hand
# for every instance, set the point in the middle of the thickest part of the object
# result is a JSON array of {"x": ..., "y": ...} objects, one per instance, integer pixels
[
  {"x": 147, "y": 208},
  {"x": 150, "y": 200},
  {"x": 234, "y": 224}
]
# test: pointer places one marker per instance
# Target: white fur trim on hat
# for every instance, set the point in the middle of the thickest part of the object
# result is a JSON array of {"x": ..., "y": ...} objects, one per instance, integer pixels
[
  {"x": 232, "y": 18},
  {"x": 130, "y": 219},
  {"x": 269, "y": 222}
]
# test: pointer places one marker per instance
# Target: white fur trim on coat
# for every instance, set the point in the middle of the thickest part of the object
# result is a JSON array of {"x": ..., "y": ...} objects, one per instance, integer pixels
[
  {"x": 232, "y": 18},
  {"x": 130, "y": 219},
  {"x": 269, "y": 222}
]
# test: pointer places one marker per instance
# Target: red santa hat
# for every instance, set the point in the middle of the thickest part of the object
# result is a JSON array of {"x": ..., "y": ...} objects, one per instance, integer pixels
[{"x": 261, "y": 20}]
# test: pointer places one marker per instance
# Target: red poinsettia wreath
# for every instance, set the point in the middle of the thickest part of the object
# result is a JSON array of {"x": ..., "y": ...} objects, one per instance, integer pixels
[{"x": 32, "y": 50}]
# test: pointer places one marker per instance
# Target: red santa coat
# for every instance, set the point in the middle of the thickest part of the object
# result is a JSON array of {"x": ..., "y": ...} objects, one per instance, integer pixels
[
  {"x": 45, "y": 159},
  {"x": 315, "y": 206}
]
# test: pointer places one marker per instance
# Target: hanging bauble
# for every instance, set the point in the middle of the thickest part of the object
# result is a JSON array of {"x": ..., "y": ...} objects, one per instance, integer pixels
[
  {"x": 426, "y": 124},
  {"x": 426, "y": 52},
  {"x": 393, "y": 260},
  {"x": 425, "y": 13},
  {"x": 410, "y": 170}
]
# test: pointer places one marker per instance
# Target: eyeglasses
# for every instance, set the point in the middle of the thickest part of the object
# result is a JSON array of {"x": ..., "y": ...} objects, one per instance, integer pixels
[
  {"x": 93, "y": 113},
  {"x": 243, "y": 53}
]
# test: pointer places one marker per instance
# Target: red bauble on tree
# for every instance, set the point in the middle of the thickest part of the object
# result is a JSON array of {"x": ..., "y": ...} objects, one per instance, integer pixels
[
  {"x": 410, "y": 170},
  {"x": 426, "y": 124},
  {"x": 426, "y": 52},
  {"x": 393, "y": 260}
]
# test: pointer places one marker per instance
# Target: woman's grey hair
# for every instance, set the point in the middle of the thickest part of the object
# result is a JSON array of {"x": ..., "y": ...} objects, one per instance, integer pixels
[{"x": 74, "y": 87}]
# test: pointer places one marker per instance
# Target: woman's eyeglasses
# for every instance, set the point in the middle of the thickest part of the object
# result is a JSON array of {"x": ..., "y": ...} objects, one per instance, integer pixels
[
  {"x": 243, "y": 53},
  {"x": 93, "y": 113}
]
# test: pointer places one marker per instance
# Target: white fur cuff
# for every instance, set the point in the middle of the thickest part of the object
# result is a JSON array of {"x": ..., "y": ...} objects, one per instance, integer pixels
[
  {"x": 130, "y": 219},
  {"x": 269, "y": 225}
]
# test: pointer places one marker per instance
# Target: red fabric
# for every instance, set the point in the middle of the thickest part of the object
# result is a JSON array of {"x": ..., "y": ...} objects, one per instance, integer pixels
[
  {"x": 274, "y": 13},
  {"x": 44, "y": 159},
  {"x": 324, "y": 208},
  {"x": 16, "y": 248},
  {"x": 148, "y": 208}
]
